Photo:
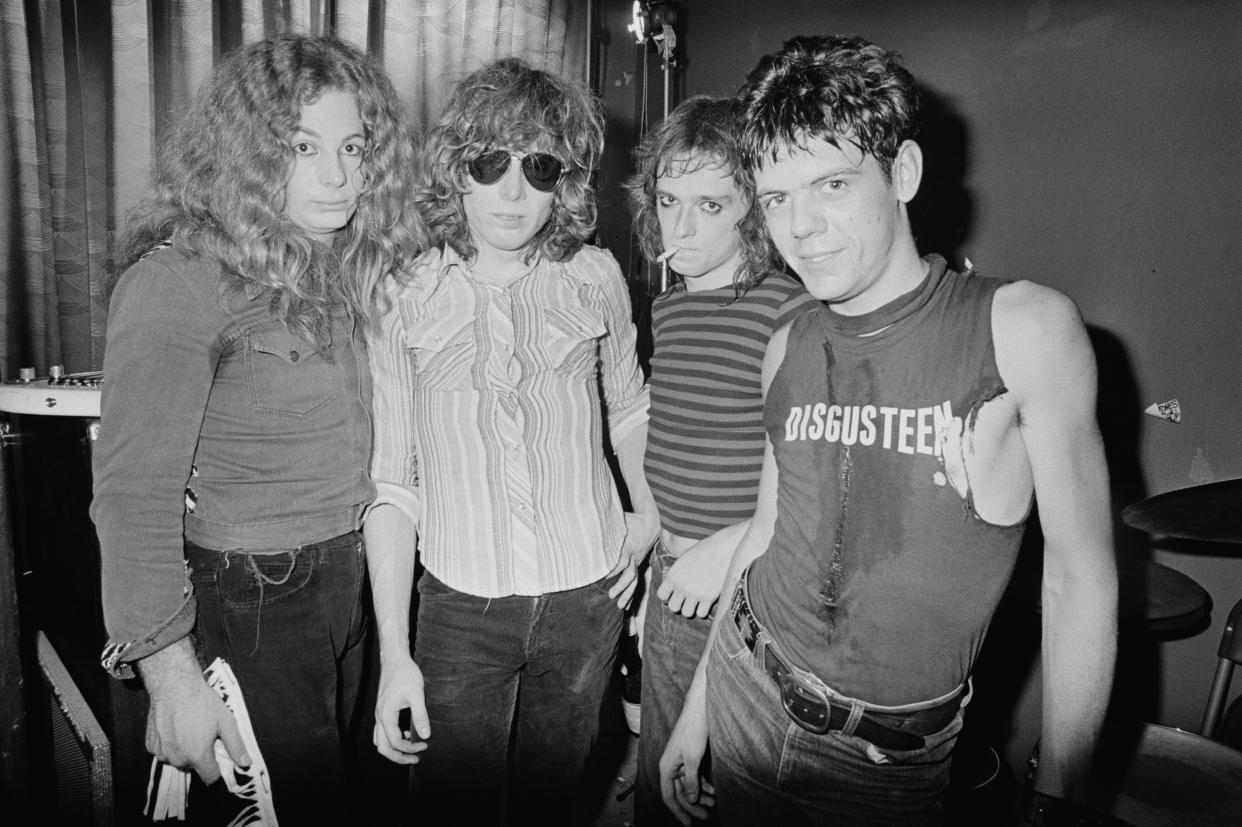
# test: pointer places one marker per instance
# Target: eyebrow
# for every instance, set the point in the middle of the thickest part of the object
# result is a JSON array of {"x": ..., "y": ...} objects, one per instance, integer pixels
[
  {"x": 838, "y": 172},
  {"x": 706, "y": 196},
  {"x": 308, "y": 131}
]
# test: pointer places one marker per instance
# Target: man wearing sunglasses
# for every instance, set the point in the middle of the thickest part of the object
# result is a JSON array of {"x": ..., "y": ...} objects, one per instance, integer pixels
[{"x": 489, "y": 369}]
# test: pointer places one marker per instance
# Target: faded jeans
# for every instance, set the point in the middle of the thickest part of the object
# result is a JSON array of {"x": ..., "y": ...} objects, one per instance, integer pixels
[
  {"x": 768, "y": 770},
  {"x": 291, "y": 624},
  {"x": 672, "y": 646},
  {"x": 513, "y": 687}
]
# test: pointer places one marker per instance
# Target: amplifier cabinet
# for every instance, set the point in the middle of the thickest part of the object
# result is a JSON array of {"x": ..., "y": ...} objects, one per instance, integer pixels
[{"x": 87, "y": 763}]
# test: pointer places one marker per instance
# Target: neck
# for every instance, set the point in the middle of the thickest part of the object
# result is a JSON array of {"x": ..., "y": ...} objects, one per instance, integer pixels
[
  {"x": 902, "y": 272},
  {"x": 721, "y": 276},
  {"x": 498, "y": 266}
]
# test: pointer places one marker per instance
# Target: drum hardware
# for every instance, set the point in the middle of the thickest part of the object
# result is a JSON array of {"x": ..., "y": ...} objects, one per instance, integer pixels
[
  {"x": 1211, "y": 512},
  {"x": 1229, "y": 653},
  {"x": 1159, "y": 597}
]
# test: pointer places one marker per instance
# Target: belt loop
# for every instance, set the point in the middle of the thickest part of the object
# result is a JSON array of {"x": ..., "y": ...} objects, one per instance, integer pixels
[{"x": 851, "y": 723}]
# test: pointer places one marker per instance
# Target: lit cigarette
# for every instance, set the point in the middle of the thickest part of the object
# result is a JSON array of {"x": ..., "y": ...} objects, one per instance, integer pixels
[{"x": 666, "y": 255}]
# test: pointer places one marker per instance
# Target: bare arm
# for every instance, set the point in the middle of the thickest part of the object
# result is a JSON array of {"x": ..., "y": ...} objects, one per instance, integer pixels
[
  {"x": 390, "y": 541},
  {"x": 642, "y": 523},
  {"x": 680, "y": 784},
  {"x": 1046, "y": 360},
  {"x": 391, "y": 535}
]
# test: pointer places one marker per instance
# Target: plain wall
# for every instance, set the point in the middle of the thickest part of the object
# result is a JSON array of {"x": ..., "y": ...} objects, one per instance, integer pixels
[{"x": 1092, "y": 147}]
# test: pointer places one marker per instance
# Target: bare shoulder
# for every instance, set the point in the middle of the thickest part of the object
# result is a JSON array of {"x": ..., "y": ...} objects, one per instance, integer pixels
[
  {"x": 1041, "y": 341},
  {"x": 1026, "y": 310}
]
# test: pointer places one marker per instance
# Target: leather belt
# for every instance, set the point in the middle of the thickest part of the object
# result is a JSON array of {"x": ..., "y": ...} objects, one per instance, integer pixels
[{"x": 808, "y": 705}]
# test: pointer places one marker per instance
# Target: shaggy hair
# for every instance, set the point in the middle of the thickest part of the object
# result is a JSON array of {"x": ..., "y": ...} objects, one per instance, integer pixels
[
  {"x": 509, "y": 104},
  {"x": 830, "y": 87},
  {"x": 219, "y": 184},
  {"x": 702, "y": 131}
]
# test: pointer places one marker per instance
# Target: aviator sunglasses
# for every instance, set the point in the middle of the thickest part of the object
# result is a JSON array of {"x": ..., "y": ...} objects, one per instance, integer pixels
[{"x": 542, "y": 171}]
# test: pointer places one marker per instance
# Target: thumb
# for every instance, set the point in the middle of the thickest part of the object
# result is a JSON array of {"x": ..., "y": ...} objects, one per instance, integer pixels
[
  {"x": 690, "y": 783},
  {"x": 231, "y": 737},
  {"x": 419, "y": 719}
]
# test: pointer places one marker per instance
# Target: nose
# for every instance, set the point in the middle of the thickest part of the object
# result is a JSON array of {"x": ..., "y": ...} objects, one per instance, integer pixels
[
  {"x": 684, "y": 224},
  {"x": 513, "y": 184},
  {"x": 331, "y": 170},
  {"x": 804, "y": 220}
]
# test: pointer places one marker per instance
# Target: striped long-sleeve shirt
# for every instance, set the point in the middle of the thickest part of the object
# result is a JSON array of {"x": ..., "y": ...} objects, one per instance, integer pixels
[
  {"x": 705, "y": 438},
  {"x": 488, "y": 426}
]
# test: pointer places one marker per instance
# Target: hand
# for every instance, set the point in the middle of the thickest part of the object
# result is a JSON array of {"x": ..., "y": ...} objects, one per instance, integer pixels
[
  {"x": 685, "y": 793},
  {"x": 693, "y": 583},
  {"x": 186, "y": 715},
  {"x": 641, "y": 530},
  {"x": 401, "y": 687}
]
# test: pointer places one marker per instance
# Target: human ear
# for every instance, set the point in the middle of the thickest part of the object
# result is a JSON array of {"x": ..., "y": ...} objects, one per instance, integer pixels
[{"x": 907, "y": 171}]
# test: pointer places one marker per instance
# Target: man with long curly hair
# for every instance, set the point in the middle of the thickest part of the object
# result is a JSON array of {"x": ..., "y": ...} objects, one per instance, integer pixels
[
  {"x": 489, "y": 371},
  {"x": 231, "y": 468},
  {"x": 693, "y": 204},
  {"x": 912, "y": 420}
]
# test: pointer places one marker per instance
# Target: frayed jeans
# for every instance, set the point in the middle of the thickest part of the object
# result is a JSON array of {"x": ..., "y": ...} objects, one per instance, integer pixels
[
  {"x": 513, "y": 687},
  {"x": 672, "y": 646},
  {"x": 768, "y": 770},
  {"x": 291, "y": 624}
]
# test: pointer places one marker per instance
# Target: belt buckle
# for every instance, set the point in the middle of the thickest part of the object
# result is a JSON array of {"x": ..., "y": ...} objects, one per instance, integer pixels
[{"x": 805, "y": 706}]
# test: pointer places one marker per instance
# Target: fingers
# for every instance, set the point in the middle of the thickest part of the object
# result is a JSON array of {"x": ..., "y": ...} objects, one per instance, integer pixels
[
  {"x": 626, "y": 596},
  {"x": 623, "y": 589},
  {"x": 669, "y": 793},
  {"x": 394, "y": 744},
  {"x": 675, "y": 601},
  {"x": 231, "y": 737},
  {"x": 622, "y": 562},
  {"x": 398, "y": 749}
]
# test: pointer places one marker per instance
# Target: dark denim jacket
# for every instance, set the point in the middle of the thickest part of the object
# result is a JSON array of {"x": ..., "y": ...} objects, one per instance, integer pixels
[{"x": 221, "y": 427}]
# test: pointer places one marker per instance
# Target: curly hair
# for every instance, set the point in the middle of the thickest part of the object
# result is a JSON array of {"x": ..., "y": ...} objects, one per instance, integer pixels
[
  {"x": 833, "y": 87},
  {"x": 702, "y": 131},
  {"x": 510, "y": 104},
  {"x": 219, "y": 183}
]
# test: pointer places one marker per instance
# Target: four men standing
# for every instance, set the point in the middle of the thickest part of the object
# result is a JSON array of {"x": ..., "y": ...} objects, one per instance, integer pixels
[{"x": 889, "y": 443}]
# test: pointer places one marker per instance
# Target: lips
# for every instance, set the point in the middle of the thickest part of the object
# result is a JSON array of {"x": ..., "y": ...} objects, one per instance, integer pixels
[{"x": 817, "y": 257}]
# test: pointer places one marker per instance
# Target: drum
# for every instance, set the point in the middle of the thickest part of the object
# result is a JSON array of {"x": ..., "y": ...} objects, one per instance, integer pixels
[{"x": 1157, "y": 776}]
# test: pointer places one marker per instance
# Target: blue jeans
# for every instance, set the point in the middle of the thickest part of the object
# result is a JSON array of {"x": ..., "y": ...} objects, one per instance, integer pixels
[
  {"x": 769, "y": 770},
  {"x": 513, "y": 687},
  {"x": 291, "y": 624},
  {"x": 672, "y": 646}
]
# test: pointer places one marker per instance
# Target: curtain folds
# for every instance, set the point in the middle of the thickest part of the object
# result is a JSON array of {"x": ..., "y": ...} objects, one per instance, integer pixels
[{"x": 86, "y": 88}]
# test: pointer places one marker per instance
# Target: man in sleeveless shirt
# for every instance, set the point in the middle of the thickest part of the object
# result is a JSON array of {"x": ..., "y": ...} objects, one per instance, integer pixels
[{"x": 912, "y": 420}]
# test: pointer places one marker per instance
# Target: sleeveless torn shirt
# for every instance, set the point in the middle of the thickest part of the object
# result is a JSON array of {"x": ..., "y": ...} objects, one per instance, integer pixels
[{"x": 881, "y": 578}]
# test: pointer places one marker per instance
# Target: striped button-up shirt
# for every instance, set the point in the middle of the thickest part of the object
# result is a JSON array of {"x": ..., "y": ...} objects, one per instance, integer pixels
[{"x": 488, "y": 428}]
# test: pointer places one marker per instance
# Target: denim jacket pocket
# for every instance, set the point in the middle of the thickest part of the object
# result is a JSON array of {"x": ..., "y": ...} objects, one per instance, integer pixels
[
  {"x": 572, "y": 340},
  {"x": 444, "y": 353},
  {"x": 288, "y": 374}
]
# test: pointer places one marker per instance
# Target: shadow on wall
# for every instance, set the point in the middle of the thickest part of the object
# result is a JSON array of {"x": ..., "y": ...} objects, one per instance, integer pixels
[
  {"x": 1005, "y": 713},
  {"x": 943, "y": 211}
]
